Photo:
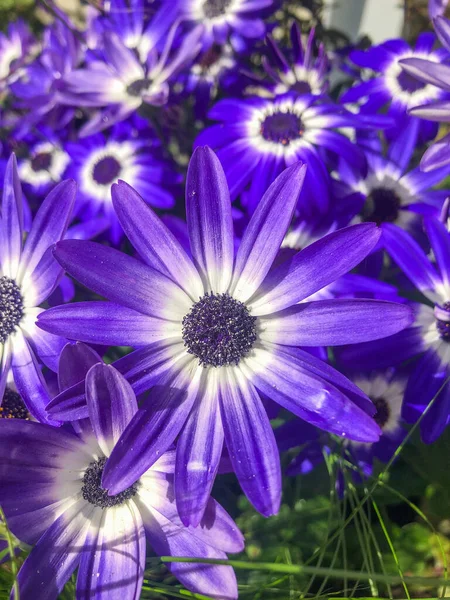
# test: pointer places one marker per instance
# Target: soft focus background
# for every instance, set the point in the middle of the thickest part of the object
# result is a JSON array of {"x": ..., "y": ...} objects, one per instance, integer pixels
[{"x": 399, "y": 521}]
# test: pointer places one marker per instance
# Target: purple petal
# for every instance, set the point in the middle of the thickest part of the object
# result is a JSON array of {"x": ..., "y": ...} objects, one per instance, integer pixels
[
  {"x": 209, "y": 219},
  {"x": 437, "y": 155},
  {"x": 440, "y": 242},
  {"x": 113, "y": 562},
  {"x": 153, "y": 429},
  {"x": 427, "y": 71},
  {"x": 111, "y": 404},
  {"x": 49, "y": 225},
  {"x": 171, "y": 539},
  {"x": 410, "y": 257},
  {"x": 250, "y": 441},
  {"x": 11, "y": 222},
  {"x": 56, "y": 555},
  {"x": 39, "y": 284},
  {"x": 199, "y": 449},
  {"x": 47, "y": 346},
  {"x": 106, "y": 323},
  {"x": 265, "y": 232},
  {"x": 154, "y": 242},
  {"x": 314, "y": 267},
  {"x": 283, "y": 378},
  {"x": 122, "y": 279},
  {"x": 335, "y": 322},
  {"x": 74, "y": 364}
]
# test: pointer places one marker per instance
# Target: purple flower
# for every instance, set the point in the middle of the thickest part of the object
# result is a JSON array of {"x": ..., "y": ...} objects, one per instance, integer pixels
[
  {"x": 257, "y": 138},
  {"x": 17, "y": 47},
  {"x": 121, "y": 82},
  {"x": 45, "y": 165},
  {"x": 68, "y": 515},
  {"x": 391, "y": 85},
  {"x": 214, "y": 330},
  {"x": 239, "y": 21},
  {"x": 434, "y": 74},
  {"x": 299, "y": 71},
  {"x": 388, "y": 191},
  {"x": 98, "y": 162},
  {"x": 28, "y": 275}
]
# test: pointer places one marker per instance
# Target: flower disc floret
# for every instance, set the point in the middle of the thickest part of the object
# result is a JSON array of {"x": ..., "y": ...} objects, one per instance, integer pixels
[
  {"x": 106, "y": 170},
  {"x": 215, "y": 8},
  {"x": 382, "y": 206},
  {"x": 13, "y": 407},
  {"x": 282, "y": 127},
  {"x": 443, "y": 327},
  {"x": 11, "y": 307},
  {"x": 383, "y": 411},
  {"x": 93, "y": 491},
  {"x": 219, "y": 330}
]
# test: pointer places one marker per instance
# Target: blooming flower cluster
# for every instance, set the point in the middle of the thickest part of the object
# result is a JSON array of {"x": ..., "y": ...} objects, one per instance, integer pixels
[{"x": 147, "y": 342}]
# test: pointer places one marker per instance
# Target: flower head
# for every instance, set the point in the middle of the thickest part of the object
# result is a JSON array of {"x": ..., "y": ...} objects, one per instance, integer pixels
[
  {"x": 216, "y": 329},
  {"x": 28, "y": 275},
  {"x": 75, "y": 521}
]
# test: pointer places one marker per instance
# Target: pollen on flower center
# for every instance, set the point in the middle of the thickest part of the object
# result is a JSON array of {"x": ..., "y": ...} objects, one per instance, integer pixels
[
  {"x": 11, "y": 307},
  {"x": 219, "y": 330},
  {"x": 93, "y": 491},
  {"x": 383, "y": 412},
  {"x": 215, "y": 8},
  {"x": 106, "y": 170},
  {"x": 443, "y": 327},
  {"x": 136, "y": 88},
  {"x": 282, "y": 128},
  {"x": 13, "y": 407},
  {"x": 41, "y": 162},
  {"x": 382, "y": 206}
]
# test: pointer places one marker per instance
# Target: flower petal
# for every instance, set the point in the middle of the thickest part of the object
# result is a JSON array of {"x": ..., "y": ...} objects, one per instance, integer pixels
[
  {"x": 265, "y": 232},
  {"x": 250, "y": 441},
  {"x": 314, "y": 267},
  {"x": 11, "y": 222},
  {"x": 208, "y": 211}
]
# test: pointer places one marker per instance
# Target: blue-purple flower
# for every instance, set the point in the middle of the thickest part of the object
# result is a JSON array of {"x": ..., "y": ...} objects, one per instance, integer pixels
[
  {"x": 99, "y": 161},
  {"x": 28, "y": 275},
  {"x": 215, "y": 329},
  {"x": 72, "y": 521},
  {"x": 17, "y": 46},
  {"x": 45, "y": 165}
]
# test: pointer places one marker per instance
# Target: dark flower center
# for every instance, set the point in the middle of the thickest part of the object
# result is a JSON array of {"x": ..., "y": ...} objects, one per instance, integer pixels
[
  {"x": 210, "y": 57},
  {"x": 443, "y": 327},
  {"x": 41, "y": 162},
  {"x": 13, "y": 407},
  {"x": 382, "y": 415},
  {"x": 382, "y": 206},
  {"x": 94, "y": 493},
  {"x": 106, "y": 170},
  {"x": 215, "y": 8},
  {"x": 408, "y": 83},
  {"x": 219, "y": 330},
  {"x": 11, "y": 307},
  {"x": 281, "y": 127},
  {"x": 301, "y": 87},
  {"x": 136, "y": 88}
]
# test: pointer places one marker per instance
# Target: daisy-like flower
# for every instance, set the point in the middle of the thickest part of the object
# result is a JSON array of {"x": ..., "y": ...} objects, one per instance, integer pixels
[
  {"x": 239, "y": 21},
  {"x": 298, "y": 71},
  {"x": 433, "y": 74},
  {"x": 45, "y": 165},
  {"x": 120, "y": 83},
  {"x": 428, "y": 337},
  {"x": 215, "y": 329},
  {"x": 72, "y": 521},
  {"x": 388, "y": 192},
  {"x": 98, "y": 162},
  {"x": 257, "y": 138},
  {"x": 28, "y": 275},
  {"x": 391, "y": 84}
]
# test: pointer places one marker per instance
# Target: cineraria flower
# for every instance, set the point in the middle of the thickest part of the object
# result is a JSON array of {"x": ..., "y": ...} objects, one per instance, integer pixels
[
  {"x": 16, "y": 48},
  {"x": 433, "y": 74},
  {"x": 45, "y": 165},
  {"x": 221, "y": 20},
  {"x": 388, "y": 192},
  {"x": 391, "y": 84},
  {"x": 120, "y": 83},
  {"x": 257, "y": 138},
  {"x": 68, "y": 515},
  {"x": 216, "y": 329},
  {"x": 299, "y": 72},
  {"x": 28, "y": 275},
  {"x": 98, "y": 162},
  {"x": 39, "y": 85}
]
